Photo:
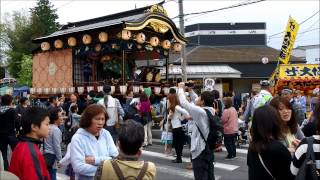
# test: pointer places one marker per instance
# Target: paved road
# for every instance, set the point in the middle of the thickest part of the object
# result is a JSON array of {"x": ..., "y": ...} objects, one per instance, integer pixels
[{"x": 224, "y": 169}]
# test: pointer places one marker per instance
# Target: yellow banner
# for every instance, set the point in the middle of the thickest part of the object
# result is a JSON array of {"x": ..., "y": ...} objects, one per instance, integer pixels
[
  {"x": 288, "y": 40},
  {"x": 299, "y": 71}
]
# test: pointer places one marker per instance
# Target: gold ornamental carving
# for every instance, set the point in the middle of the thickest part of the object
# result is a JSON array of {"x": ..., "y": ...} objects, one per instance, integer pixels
[
  {"x": 158, "y": 27},
  {"x": 158, "y": 9}
]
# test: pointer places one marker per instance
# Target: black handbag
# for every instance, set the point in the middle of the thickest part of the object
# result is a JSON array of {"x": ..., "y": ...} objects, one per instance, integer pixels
[
  {"x": 50, "y": 159},
  {"x": 308, "y": 169}
]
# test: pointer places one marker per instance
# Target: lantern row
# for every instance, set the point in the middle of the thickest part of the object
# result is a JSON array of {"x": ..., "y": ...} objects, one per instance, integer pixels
[
  {"x": 124, "y": 35},
  {"x": 80, "y": 90}
]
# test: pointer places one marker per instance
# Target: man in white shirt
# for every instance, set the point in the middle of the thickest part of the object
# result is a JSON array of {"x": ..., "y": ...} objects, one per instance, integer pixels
[
  {"x": 114, "y": 111},
  {"x": 202, "y": 155}
]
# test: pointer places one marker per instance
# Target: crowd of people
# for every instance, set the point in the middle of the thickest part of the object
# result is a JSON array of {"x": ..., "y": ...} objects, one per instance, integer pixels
[{"x": 102, "y": 137}]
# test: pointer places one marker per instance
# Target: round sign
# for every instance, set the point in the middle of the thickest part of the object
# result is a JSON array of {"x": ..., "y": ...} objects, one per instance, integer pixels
[{"x": 265, "y": 60}]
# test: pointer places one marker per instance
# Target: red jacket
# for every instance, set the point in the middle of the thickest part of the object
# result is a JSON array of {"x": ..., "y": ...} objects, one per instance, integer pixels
[{"x": 26, "y": 166}]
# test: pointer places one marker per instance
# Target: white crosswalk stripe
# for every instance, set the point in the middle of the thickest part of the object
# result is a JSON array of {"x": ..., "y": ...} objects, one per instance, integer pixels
[
  {"x": 178, "y": 172},
  {"x": 223, "y": 166},
  {"x": 241, "y": 151}
]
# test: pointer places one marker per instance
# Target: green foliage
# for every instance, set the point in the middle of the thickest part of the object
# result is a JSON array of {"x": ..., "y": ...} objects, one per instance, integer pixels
[
  {"x": 21, "y": 27},
  {"x": 18, "y": 31},
  {"x": 25, "y": 74},
  {"x": 43, "y": 18}
]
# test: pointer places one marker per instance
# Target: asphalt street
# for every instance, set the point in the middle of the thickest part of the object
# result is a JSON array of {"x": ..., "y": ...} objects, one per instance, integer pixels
[{"x": 235, "y": 169}]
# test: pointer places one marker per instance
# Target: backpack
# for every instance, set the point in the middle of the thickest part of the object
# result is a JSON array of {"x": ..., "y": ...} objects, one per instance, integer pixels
[
  {"x": 308, "y": 169},
  {"x": 215, "y": 130},
  {"x": 120, "y": 175}
]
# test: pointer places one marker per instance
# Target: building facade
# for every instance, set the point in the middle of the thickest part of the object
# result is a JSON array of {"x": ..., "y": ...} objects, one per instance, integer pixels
[
  {"x": 237, "y": 47},
  {"x": 310, "y": 53}
]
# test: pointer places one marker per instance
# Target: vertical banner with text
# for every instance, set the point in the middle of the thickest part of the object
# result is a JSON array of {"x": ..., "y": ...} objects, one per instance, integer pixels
[{"x": 288, "y": 40}]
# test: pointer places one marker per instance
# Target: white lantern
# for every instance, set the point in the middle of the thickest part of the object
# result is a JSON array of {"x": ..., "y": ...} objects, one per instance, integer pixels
[
  {"x": 177, "y": 47},
  {"x": 154, "y": 41},
  {"x": 54, "y": 90},
  {"x": 136, "y": 89},
  {"x": 71, "y": 89},
  {"x": 123, "y": 89},
  {"x": 157, "y": 90},
  {"x": 72, "y": 41},
  {"x": 103, "y": 37},
  {"x": 45, "y": 46},
  {"x": 125, "y": 34},
  {"x": 113, "y": 89},
  {"x": 80, "y": 90},
  {"x": 58, "y": 44},
  {"x": 31, "y": 90},
  {"x": 39, "y": 90},
  {"x": 63, "y": 90},
  {"x": 166, "y": 90},
  {"x": 140, "y": 38},
  {"x": 265, "y": 60},
  {"x": 100, "y": 88},
  {"x": 166, "y": 44},
  {"x": 90, "y": 88},
  {"x": 46, "y": 90},
  {"x": 86, "y": 39}
]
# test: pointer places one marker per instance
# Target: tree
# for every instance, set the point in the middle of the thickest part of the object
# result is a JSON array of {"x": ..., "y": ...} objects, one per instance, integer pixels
[
  {"x": 25, "y": 74},
  {"x": 43, "y": 19},
  {"x": 21, "y": 27},
  {"x": 19, "y": 41}
]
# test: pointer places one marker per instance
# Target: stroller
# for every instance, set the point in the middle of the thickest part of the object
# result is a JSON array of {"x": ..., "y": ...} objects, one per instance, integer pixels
[{"x": 242, "y": 137}]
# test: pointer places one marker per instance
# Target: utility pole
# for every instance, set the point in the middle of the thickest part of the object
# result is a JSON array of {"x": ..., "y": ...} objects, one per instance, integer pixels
[{"x": 183, "y": 50}]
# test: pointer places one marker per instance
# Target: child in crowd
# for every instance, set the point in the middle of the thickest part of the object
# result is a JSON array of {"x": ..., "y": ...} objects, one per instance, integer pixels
[
  {"x": 27, "y": 161},
  {"x": 66, "y": 160},
  {"x": 75, "y": 117}
]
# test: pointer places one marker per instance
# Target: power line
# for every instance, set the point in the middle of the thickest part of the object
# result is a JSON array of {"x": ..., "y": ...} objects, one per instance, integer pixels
[
  {"x": 228, "y": 7},
  {"x": 65, "y": 4},
  {"x": 300, "y": 24},
  {"x": 196, "y": 16}
]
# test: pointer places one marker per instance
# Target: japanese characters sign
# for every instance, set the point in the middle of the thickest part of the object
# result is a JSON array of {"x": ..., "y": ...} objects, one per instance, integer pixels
[
  {"x": 288, "y": 40},
  {"x": 300, "y": 71}
]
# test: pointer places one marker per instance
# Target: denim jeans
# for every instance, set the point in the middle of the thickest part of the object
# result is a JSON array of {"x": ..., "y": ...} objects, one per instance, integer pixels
[
  {"x": 53, "y": 174},
  {"x": 113, "y": 131},
  {"x": 230, "y": 143},
  {"x": 6, "y": 140},
  {"x": 202, "y": 165}
]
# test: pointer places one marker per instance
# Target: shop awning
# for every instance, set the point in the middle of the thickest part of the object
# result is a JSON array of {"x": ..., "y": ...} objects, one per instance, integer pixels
[{"x": 204, "y": 71}]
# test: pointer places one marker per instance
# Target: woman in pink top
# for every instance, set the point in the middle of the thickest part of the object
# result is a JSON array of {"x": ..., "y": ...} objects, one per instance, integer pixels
[
  {"x": 229, "y": 120},
  {"x": 144, "y": 108}
]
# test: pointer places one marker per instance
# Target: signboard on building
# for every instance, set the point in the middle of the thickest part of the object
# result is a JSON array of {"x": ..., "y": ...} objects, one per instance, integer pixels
[
  {"x": 288, "y": 40},
  {"x": 300, "y": 71}
]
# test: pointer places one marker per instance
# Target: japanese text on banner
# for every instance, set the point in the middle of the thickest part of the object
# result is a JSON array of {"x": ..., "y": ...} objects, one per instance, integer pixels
[{"x": 288, "y": 40}]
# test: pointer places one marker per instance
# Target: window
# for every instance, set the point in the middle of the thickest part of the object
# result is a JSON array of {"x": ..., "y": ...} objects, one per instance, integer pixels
[{"x": 317, "y": 59}]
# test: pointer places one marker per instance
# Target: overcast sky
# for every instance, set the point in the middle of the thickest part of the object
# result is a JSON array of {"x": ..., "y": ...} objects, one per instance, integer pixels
[{"x": 274, "y": 12}]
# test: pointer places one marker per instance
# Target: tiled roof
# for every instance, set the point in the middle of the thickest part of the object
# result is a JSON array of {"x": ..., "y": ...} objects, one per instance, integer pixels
[{"x": 231, "y": 54}]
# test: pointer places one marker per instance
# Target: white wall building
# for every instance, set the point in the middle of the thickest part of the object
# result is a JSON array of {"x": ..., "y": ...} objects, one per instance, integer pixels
[{"x": 311, "y": 53}]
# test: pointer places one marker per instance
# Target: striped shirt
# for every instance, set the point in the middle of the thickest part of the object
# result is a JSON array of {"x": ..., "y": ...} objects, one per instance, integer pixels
[{"x": 300, "y": 154}]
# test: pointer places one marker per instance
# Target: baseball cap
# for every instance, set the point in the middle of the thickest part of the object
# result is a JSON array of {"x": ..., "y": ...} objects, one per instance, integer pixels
[
  {"x": 286, "y": 90},
  {"x": 264, "y": 83},
  {"x": 316, "y": 91}
]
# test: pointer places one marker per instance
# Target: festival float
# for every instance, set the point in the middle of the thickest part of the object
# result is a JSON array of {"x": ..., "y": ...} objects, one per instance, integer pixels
[
  {"x": 85, "y": 55},
  {"x": 303, "y": 77}
]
